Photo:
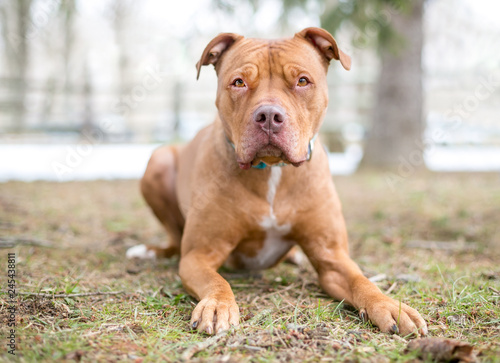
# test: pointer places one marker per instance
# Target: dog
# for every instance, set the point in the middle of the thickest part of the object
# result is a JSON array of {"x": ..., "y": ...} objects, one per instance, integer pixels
[{"x": 255, "y": 183}]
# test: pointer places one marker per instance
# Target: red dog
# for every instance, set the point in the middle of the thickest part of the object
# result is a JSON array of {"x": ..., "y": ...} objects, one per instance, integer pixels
[{"x": 249, "y": 186}]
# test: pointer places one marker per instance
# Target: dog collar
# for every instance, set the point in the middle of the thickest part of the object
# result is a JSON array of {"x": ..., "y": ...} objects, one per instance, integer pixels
[{"x": 263, "y": 165}]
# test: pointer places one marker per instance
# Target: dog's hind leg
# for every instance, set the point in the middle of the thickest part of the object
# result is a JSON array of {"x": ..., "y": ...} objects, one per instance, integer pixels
[{"x": 158, "y": 186}]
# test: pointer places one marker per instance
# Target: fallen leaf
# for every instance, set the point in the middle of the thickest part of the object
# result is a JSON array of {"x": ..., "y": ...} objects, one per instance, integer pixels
[
  {"x": 442, "y": 350},
  {"x": 248, "y": 317}
]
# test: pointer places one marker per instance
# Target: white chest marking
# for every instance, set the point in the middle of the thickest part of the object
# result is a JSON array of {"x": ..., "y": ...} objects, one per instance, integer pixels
[
  {"x": 272, "y": 185},
  {"x": 274, "y": 245}
]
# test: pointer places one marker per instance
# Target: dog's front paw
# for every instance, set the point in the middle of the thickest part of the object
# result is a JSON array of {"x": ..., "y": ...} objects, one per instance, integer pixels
[
  {"x": 215, "y": 314},
  {"x": 392, "y": 316}
]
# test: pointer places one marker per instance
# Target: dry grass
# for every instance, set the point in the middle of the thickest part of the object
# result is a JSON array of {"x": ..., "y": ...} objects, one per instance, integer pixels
[{"x": 285, "y": 315}]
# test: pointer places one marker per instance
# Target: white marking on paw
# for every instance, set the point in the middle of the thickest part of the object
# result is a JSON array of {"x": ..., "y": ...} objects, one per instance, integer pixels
[{"x": 140, "y": 251}]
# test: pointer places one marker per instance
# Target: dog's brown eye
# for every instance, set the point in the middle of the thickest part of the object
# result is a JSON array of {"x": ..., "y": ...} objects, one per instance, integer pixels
[
  {"x": 302, "y": 82},
  {"x": 239, "y": 83}
]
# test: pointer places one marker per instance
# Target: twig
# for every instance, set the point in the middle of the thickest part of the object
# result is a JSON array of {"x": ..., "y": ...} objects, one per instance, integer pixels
[
  {"x": 251, "y": 347},
  {"x": 7, "y": 225},
  {"x": 188, "y": 353},
  {"x": 71, "y": 295},
  {"x": 393, "y": 286},
  {"x": 495, "y": 291},
  {"x": 279, "y": 291},
  {"x": 282, "y": 341},
  {"x": 377, "y": 278},
  {"x": 9, "y": 242},
  {"x": 445, "y": 246}
]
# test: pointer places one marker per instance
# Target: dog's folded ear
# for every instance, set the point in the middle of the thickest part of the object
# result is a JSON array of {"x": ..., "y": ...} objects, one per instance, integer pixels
[
  {"x": 326, "y": 44},
  {"x": 215, "y": 48}
]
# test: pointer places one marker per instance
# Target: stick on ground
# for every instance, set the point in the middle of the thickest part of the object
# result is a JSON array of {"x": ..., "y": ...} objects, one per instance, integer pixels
[{"x": 71, "y": 295}]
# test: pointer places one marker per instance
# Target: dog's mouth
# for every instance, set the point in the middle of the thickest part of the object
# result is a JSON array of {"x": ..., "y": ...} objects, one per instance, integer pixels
[
  {"x": 269, "y": 151},
  {"x": 269, "y": 155}
]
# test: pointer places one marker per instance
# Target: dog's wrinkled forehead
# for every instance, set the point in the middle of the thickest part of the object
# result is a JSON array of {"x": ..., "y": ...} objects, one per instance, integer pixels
[
  {"x": 309, "y": 45},
  {"x": 269, "y": 57}
]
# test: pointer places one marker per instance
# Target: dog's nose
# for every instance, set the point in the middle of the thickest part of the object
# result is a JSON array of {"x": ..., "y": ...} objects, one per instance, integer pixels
[{"x": 270, "y": 118}]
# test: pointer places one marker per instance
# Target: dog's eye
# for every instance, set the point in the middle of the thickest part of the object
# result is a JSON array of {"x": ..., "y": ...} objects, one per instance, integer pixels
[
  {"x": 239, "y": 83},
  {"x": 302, "y": 82}
]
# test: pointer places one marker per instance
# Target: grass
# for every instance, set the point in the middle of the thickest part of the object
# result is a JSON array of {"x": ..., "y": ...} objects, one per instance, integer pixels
[{"x": 285, "y": 315}]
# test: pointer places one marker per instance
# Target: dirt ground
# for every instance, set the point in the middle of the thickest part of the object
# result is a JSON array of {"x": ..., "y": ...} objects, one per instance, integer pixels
[{"x": 432, "y": 242}]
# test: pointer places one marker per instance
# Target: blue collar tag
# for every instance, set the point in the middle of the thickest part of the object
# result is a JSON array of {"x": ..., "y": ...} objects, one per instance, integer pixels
[{"x": 261, "y": 165}]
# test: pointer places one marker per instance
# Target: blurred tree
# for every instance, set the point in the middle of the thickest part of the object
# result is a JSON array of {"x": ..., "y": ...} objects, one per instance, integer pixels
[
  {"x": 121, "y": 13},
  {"x": 67, "y": 13},
  {"x": 16, "y": 29},
  {"x": 88, "y": 111},
  {"x": 395, "y": 29}
]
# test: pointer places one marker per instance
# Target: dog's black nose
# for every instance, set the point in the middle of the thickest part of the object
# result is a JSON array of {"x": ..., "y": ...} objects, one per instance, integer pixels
[{"x": 270, "y": 118}]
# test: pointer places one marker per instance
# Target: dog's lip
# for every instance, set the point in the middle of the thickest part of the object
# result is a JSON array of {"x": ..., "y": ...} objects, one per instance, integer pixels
[
  {"x": 298, "y": 163},
  {"x": 245, "y": 166},
  {"x": 249, "y": 159},
  {"x": 269, "y": 150},
  {"x": 247, "y": 162}
]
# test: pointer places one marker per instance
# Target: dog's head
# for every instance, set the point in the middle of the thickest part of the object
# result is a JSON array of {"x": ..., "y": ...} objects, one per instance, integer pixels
[{"x": 272, "y": 94}]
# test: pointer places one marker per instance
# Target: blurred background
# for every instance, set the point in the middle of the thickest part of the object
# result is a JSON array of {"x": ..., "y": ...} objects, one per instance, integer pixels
[{"x": 89, "y": 88}]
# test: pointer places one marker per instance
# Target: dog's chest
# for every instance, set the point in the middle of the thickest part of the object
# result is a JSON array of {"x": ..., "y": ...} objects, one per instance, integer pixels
[{"x": 270, "y": 245}]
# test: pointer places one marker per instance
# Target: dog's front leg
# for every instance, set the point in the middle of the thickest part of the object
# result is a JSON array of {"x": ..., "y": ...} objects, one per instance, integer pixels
[
  {"x": 200, "y": 258},
  {"x": 342, "y": 279},
  {"x": 326, "y": 247}
]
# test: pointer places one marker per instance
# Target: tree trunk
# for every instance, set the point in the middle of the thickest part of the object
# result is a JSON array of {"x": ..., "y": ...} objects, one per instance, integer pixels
[
  {"x": 395, "y": 137},
  {"x": 121, "y": 14},
  {"x": 17, "y": 15},
  {"x": 67, "y": 12},
  {"x": 88, "y": 111}
]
